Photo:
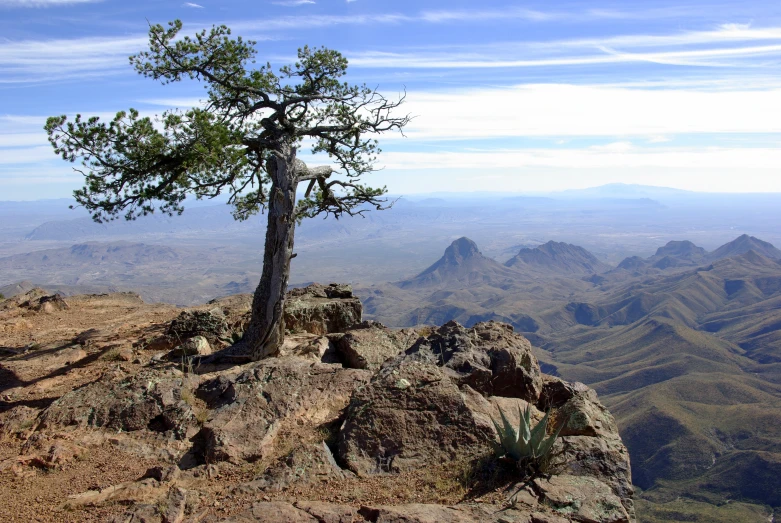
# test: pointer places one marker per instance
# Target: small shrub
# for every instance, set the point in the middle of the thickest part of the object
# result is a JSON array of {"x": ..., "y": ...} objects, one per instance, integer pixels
[
  {"x": 187, "y": 396},
  {"x": 233, "y": 338},
  {"x": 425, "y": 331},
  {"x": 111, "y": 355},
  {"x": 2, "y": 297},
  {"x": 528, "y": 447}
]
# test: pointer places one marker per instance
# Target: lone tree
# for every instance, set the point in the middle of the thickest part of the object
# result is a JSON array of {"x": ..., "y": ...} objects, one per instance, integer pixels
[{"x": 243, "y": 142}]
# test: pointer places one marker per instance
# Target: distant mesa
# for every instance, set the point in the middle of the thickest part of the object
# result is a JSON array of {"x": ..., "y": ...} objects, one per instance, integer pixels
[{"x": 558, "y": 257}]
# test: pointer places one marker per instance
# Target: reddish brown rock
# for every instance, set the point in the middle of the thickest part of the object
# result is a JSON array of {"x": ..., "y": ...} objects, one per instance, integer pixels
[
  {"x": 410, "y": 415},
  {"x": 582, "y": 499},
  {"x": 250, "y": 406},
  {"x": 152, "y": 400},
  {"x": 320, "y": 309},
  {"x": 369, "y": 344},
  {"x": 488, "y": 357}
]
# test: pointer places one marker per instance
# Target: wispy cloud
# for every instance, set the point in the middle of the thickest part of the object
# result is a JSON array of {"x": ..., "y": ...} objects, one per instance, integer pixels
[
  {"x": 32, "y": 60},
  {"x": 446, "y": 16},
  {"x": 43, "y": 3},
  {"x": 729, "y": 45},
  {"x": 293, "y": 3},
  {"x": 725, "y": 46},
  {"x": 192, "y": 5}
]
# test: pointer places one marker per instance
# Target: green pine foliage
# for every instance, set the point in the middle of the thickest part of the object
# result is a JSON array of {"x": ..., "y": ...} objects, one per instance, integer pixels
[{"x": 134, "y": 165}]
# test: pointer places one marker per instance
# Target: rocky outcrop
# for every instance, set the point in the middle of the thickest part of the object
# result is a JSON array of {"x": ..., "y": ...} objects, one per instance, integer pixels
[
  {"x": 306, "y": 464},
  {"x": 356, "y": 411},
  {"x": 369, "y": 344},
  {"x": 409, "y": 416},
  {"x": 320, "y": 309},
  {"x": 250, "y": 407},
  {"x": 488, "y": 357},
  {"x": 153, "y": 399},
  {"x": 590, "y": 445},
  {"x": 581, "y": 499},
  {"x": 45, "y": 303},
  {"x": 308, "y": 512},
  {"x": 435, "y": 402}
]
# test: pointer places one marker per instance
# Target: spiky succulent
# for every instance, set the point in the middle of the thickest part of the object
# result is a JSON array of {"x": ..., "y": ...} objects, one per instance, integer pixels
[{"x": 527, "y": 446}]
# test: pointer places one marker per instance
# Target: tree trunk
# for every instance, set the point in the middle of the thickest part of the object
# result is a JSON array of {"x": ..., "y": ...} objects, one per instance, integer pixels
[{"x": 266, "y": 329}]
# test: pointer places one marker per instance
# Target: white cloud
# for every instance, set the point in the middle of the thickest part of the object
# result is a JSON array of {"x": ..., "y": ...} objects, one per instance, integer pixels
[
  {"x": 12, "y": 156},
  {"x": 659, "y": 139},
  {"x": 561, "y": 110},
  {"x": 23, "y": 139},
  {"x": 614, "y": 147},
  {"x": 734, "y": 158},
  {"x": 695, "y": 57},
  {"x": 736, "y": 43},
  {"x": 293, "y": 3},
  {"x": 33, "y": 60},
  {"x": 43, "y": 3},
  {"x": 192, "y": 5},
  {"x": 442, "y": 16},
  {"x": 472, "y": 15}
]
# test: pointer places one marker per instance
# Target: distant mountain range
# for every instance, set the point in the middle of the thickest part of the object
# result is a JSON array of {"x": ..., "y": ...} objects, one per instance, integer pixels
[
  {"x": 685, "y": 254},
  {"x": 683, "y": 346}
]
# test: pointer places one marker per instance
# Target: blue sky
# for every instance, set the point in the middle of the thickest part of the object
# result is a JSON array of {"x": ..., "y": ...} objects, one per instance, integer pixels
[{"x": 508, "y": 96}]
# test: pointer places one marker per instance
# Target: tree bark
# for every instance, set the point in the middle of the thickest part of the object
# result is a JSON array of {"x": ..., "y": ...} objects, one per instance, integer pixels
[{"x": 265, "y": 333}]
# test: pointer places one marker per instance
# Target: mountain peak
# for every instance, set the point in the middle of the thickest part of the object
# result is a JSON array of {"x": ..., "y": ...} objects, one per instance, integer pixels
[
  {"x": 460, "y": 250},
  {"x": 743, "y": 244},
  {"x": 461, "y": 264},
  {"x": 559, "y": 257},
  {"x": 680, "y": 248}
]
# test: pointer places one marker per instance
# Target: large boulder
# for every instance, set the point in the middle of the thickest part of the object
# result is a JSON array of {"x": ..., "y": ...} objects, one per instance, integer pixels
[
  {"x": 160, "y": 401},
  {"x": 369, "y": 344},
  {"x": 48, "y": 304},
  {"x": 410, "y": 415},
  {"x": 307, "y": 464},
  {"x": 251, "y": 406},
  {"x": 321, "y": 309},
  {"x": 590, "y": 445},
  {"x": 195, "y": 346},
  {"x": 488, "y": 357},
  {"x": 581, "y": 499}
]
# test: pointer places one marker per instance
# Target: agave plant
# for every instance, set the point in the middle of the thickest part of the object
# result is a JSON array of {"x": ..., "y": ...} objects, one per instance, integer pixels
[{"x": 528, "y": 446}]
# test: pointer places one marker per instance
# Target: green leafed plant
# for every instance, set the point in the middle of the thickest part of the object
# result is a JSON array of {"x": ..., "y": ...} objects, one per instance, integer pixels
[{"x": 528, "y": 447}]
